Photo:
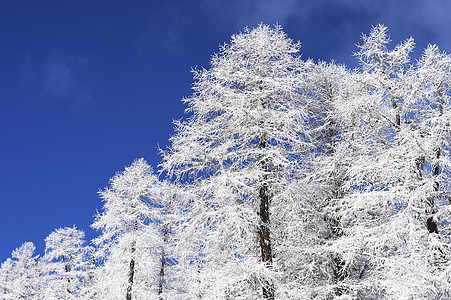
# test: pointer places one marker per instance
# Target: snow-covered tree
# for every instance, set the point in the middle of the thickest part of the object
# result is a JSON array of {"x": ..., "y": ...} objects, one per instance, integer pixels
[
  {"x": 130, "y": 242},
  {"x": 6, "y": 279},
  {"x": 242, "y": 148},
  {"x": 332, "y": 89},
  {"x": 387, "y": 212},
  {"x": 66, "y": 259},
  {"x": 23, "y": 274},
  {"x": 88, "y": 285},
  {"x": 290, "y": 180},
  {"x": 424, "y": 141}
]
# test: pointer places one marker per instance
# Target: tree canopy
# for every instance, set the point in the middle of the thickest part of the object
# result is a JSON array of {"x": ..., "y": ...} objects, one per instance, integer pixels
[{"x": 288, "y": 179}]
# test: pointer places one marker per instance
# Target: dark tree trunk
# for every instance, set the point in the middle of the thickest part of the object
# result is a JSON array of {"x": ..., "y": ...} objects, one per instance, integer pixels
[
  {"x": 130, "y": 278},
  {"x": 265, "y": 241},
  {"x": 430, "y": 223},
  {"x": 397, "y": 117},
  {"x": 162, "y": 280},
  {"x": 67, "y": 268},
  {"x": 436, "y": 169},
  {"x": 131, "y": 272},
  {"x": 263, "y": 231}
]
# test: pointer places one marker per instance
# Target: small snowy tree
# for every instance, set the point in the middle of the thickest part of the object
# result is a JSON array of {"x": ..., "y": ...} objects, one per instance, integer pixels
[
  {"x": 6, "y": 279},
  {"x": 27, "y": 280},
  {"x": 65, "y": 256},
  {"x": 130, "y": 241}
]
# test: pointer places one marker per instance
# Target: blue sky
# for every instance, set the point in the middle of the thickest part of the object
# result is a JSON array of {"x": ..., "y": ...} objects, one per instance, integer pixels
[{"x": 88, "y": 86}]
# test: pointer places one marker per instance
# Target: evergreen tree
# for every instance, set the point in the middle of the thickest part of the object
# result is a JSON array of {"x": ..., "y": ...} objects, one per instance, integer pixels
[
  {"x": 130, "y": 242},
  {"x": 27, "y": 281},
  {"x": 388, "y": 205},
  {"x": 241, "y": 148},
  {"x": 65, "y": 256},
  {"x": 6, "y": 279}
]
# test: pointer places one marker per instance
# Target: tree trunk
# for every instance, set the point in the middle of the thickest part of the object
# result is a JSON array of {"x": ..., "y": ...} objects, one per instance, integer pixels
[
  {"x": 130, "y": 278},
  {"x": 131, "y": 272},
  {"x": 162, "y": 281},
  {"x": 430, "y": 223},
  {"x": 264, "y": 232}
]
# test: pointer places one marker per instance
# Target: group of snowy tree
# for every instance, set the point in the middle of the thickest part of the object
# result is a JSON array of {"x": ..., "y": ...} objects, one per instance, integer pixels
[{"x": 289, "y": 179}]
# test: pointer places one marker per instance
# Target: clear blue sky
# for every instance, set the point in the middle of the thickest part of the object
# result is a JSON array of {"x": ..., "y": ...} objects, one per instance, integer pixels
[{"x": 88, "y": 86}]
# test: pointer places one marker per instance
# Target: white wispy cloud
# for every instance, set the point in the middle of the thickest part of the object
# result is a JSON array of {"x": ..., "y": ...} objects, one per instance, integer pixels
[
  {"x": 61, "y": 81},
  {"x": 58, "y": 78}
]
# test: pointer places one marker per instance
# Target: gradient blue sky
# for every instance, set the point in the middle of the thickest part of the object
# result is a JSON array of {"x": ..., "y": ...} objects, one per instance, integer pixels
[{"x": 88, "y": 86}]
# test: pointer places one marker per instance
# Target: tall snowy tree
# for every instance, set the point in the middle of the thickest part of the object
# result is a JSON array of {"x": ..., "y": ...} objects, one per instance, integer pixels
[
  {"x": 424, "y": 141},
  {"x": 242, "y": 148},
  {"x": 387, "y": 205},
  {"x": 332, "y": 90}
]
